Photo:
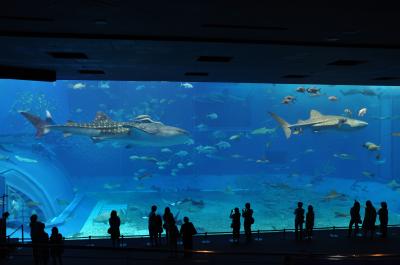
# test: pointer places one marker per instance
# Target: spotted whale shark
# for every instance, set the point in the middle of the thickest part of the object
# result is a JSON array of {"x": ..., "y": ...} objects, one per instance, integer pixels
[{"x": 141, "y": 131}]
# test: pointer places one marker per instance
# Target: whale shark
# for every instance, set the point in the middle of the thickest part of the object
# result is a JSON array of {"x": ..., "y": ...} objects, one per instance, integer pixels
[
  {"x": 318, "y": 121},
  {"x": 141, "y": 131}
]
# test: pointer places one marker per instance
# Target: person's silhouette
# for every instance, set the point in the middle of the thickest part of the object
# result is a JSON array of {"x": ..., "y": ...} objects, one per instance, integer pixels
[
  {"x": 56, "y": 246},
  {"x": 235, "y": 225},
  {"x": 298, "y": 221},
  {"x": 355, "y": 218},
  {"x": 34, "y": 227},
  {"x": 153, "y": 226},
  {"x": 310, "y": 221},
  {"x": 383, "y": 219},
  {"x": 113, "y": 230},
  {"x": 247, "y": 214},
  {"x": 173, "y": 237},
  {"x": 187, "y": 232},
  {"x": 43, "y": 241},
  {"x": 168, "y": 219},
  {"x": 369, "y": 219}
]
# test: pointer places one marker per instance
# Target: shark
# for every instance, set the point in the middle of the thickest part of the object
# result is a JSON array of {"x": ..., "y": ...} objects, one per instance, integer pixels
[
  {"x": 142, "y": 131},
  {"x": 318, "y": 121}
]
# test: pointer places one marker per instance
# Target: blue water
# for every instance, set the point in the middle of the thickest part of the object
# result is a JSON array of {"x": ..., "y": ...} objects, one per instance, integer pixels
[{"x": 76, "y": 182}]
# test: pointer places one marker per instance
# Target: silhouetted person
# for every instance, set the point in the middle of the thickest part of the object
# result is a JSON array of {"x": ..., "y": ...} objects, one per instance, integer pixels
[
  {"x": 298, "y": 221},
  {"x": 43, "y": 242},
  {"x": 187, "y": 232},
  {"x": 355, "y": 218},
  {"x": 369, "y": 219},
  {"x": 310, "y": 221},
  {"x": 383, "y": 219},
  {"x": 56, "y": 246},
  {"x": 3, "y": 228},
  {"x": 3, "y": 235},
  {"x": 34, "y": 233},
  {"x": 153, "y": 226},
  {"x": 235, "y": 225},
  {"x": 173, "y": 237},
  {"x": 168, "y": 219},
  {"x": 114, "y": 223},
  {"x": 247, "y": 214}
]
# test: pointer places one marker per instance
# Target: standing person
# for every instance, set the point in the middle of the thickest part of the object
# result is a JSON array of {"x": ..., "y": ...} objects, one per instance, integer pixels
[
  {"x": 114, "y": 223},
  {"x": 309, "y": 221},
  {"x": 235, "y": 225},
  {"x": 168, "y": 219},
  {"x": 3, "y": 228},
  {"x": 369, "y": 219},
  {"x": 34, "y": 233},
  {"x": 187, "y": 232},
  {"x": 298, "y": 221},
  {"x": 173, "y": 237},
  {"x": 56, "y": 246},
  {"x": 355, "y": 218},
  {"x": 43, "y": 244},
  {"x": 247, "y": 214},
  {"x": 153, "y": 226},
  {"x": 159, "y": 228},
  {"x": 383, "y": 219},
  {"x": 3, "y": 235}
]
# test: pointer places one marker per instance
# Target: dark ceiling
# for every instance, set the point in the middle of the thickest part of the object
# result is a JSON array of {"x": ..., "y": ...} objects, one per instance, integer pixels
[{"x": 211, "y": 41}]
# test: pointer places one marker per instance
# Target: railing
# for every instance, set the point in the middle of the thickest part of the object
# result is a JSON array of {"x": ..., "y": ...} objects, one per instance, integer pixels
[
  {"x": 205, "y": 235},
  {"x": 16, "y": 230}
]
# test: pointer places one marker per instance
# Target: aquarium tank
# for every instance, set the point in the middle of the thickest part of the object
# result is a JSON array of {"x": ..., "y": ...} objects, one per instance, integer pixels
[{"x": 73, "y": 151}]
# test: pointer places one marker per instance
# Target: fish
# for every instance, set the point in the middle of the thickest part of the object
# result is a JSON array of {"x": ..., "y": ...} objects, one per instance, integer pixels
[
  {"x": 109, "y": 186},
  {"x": 344, "y": 156},
  {"x": 201, "y": 127},
  {"x": 180, "y": 165},
  {"x": 206, "y": 149},
  {"x": 371, "y": 146},
  {"x": 368, "y": 174},
  {"x": 318, "y": 121},
  {"x": 186, "y": 85},
  {"x": 334, "y": 195},
  {"x": 300, "y": 89},
  {"x": 362, "y": 112},
  {"x": 182, "y": 153},
  {"x": 223, "y": 145},
  {"x": 166, "y": 150},
  {"x": 143, "y": 176},
  {"x": 397, "y": 134},
  {"x": 189, "y": 164},
  {"x": 341, "y": 215},
  {"x": 313, "y": 90},
  {"x": 365, "y": 92},
  {"x": 288, "y": 99},
  {"x": 393, "y": 184},
  {"x": 348, "y": 112},
  {"x": 144, "y": 158},
  {"x": 78, "y": 86},
  {"x": 262, "y": 161},
  {"x": 333, "y": 98},
  {"x": 25, "y": 159},
  {"x": 212, "y": 116},
  {"x": 263, "y": 130},
  {"x": 142, "y": 131},
  {"x": 235, "y": 137}
]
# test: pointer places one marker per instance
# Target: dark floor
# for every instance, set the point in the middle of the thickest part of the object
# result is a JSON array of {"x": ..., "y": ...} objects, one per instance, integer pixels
[{"x": 275, "y": 248}]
